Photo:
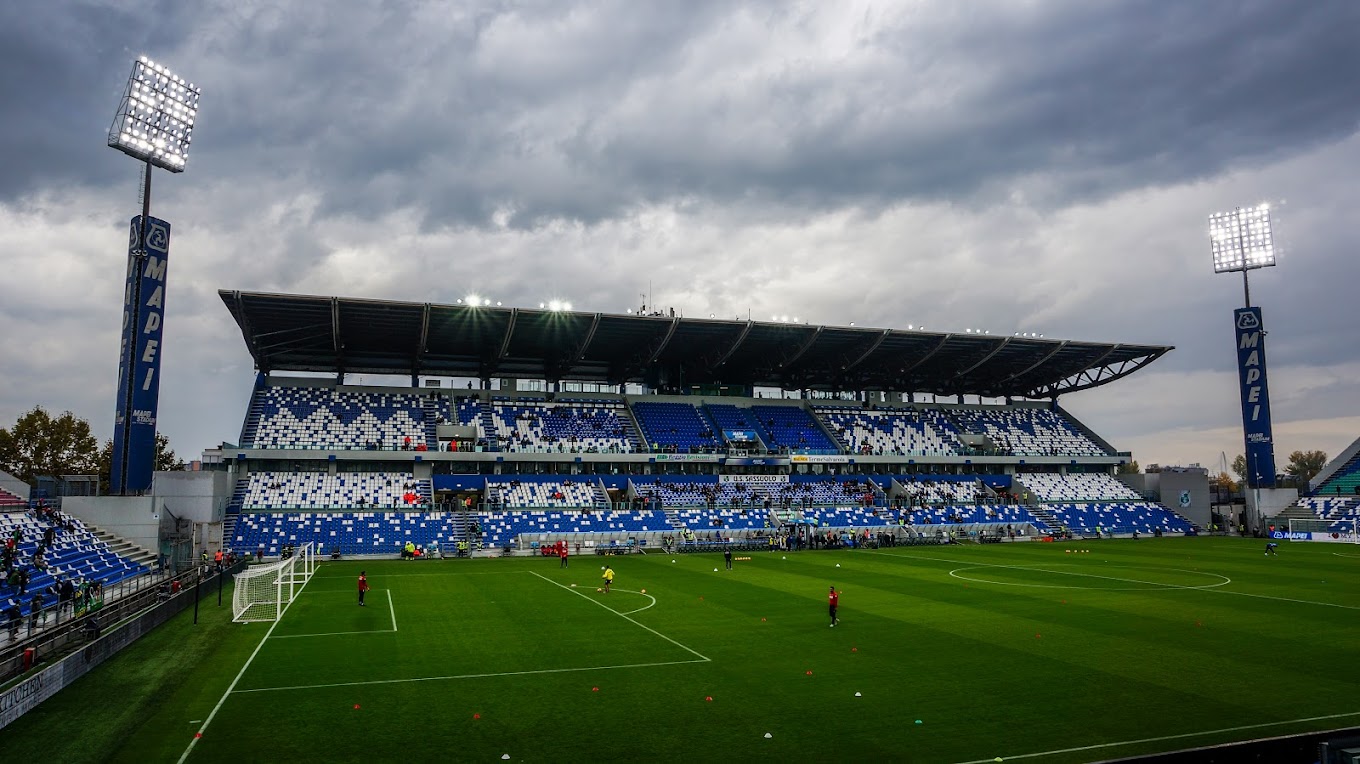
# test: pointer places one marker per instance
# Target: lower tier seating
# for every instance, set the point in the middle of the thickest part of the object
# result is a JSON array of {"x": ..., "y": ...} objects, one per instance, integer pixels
[{"x": 1143, "y": 517}]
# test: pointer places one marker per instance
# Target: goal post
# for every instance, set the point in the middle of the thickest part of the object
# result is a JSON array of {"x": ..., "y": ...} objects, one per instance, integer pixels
[{"x": 262, "y": 592}]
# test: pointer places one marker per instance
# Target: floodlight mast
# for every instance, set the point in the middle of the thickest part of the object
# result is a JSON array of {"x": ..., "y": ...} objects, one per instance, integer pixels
[
  {"x": 1242, "y": 240},
  {"x": 154, "y": 124}
]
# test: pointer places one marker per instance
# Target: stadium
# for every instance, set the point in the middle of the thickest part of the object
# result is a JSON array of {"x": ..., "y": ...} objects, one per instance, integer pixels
[
  {"x": 433, "y": 527},
  {"x": 1000, "y": 578}
]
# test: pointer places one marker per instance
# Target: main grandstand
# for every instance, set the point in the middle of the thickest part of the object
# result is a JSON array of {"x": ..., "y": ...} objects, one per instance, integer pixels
[{"x": 606, "y": 430}]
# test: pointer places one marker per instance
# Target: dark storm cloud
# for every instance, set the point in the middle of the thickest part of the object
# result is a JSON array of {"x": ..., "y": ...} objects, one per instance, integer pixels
[{"x": 584, "y": 111}]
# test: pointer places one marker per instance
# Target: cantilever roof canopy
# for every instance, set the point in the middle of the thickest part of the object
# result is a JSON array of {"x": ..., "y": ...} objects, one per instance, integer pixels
[{"x": 339, "y": 334}]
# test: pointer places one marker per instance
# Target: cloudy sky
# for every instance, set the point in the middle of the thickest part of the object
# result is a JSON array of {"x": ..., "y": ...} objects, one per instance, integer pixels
[{"x": 1010, "y": 165}]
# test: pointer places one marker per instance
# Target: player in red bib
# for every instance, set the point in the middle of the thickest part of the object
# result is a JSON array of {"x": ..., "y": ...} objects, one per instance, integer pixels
[
  {"x": 363, "y": 586},
  {"x": 833, "y": 599}
]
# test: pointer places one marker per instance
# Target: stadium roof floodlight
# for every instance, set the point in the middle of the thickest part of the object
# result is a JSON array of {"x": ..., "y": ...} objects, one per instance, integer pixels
[
  {"x": 1242, "y": 240},
  {"x": 155, "y": 120},
  {"x": 554, "y": 305},
  {"x": 472, "y": 300}
]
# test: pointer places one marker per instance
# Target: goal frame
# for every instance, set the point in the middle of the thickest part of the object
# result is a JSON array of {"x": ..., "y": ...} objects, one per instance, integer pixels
[{"x": 263, "y": 592}]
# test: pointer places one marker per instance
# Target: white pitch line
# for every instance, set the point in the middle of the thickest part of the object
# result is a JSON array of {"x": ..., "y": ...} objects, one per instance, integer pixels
[
  {"x": 955, "y": 574},
  {"x": 1181, "y": 736},
  {"x": 466, "y": 676},
  {"x": 189, "y": 749},
  {"x": 690, "y": 650},
  {"x": 391, "y": 608},
  {"x": 639, "y": 610},
  {"x": 1165, "y": 587}
]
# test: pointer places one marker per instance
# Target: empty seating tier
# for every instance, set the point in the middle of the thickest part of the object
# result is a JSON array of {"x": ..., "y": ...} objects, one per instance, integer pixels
[
  {"x": 1027, "y": 432},
  {"x": 345, "y": 490},
  {"x": 1052, "y": 486},
  {"x": 530, "y": 492},
  {"x": 676, "y": 427},
  {"x": 312, "y": 417},
  {"x": 1143, "y": 517},
  {"x": 585, "y": 427},
  {"x": 906, "y": 432}
]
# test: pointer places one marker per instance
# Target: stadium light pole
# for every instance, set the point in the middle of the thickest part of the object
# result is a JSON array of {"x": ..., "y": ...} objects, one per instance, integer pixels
[
  {"x": 1243, "y": 240},
  {"x": 154, "y": 124}
]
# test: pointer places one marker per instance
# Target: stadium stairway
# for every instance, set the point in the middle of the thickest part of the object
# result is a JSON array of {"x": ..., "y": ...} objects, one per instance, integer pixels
[
  {"x": 429, "y": 407},
  {"x": 631, "y": 427},
  {"x": 488, "y": 423},
  {"x": 252, "y": 423},
  {"x": 673, "y": 517},
  {"x": 124, "y": 548},
  {"x": 826, "y": 428},
  {"x": 601, "y": 495},
  {"x": 1050, "y": 519}
]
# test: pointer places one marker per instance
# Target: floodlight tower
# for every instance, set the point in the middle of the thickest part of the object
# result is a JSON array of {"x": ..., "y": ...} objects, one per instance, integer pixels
[
  {"x": 154, "y": 124},
  {"x": 1242, "y": 240}
]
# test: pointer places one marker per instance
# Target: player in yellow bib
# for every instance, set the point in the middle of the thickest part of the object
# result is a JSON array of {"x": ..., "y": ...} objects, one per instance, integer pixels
[{"x": 608, "y": 578}]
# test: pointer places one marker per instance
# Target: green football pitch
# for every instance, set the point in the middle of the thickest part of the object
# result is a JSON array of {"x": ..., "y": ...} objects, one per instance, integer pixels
[{"x": 1028, "y": 652}]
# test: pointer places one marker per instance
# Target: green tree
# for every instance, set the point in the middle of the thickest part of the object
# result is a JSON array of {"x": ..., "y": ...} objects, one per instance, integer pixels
[
  {"x": 1305, "y": 465},
  {"x": 1131, "y": 468},
  {"x": 1239, "y": 467},
  {"x": 39, "y": 444},
  {"x": 166, "y": 460},
  {"x": 1224, "y": 482}
]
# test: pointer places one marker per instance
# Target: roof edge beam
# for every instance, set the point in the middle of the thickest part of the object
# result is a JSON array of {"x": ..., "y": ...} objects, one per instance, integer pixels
[
  {"x": 509, "y": 332},
  {"x": 675, "y": 324},
  {"x": 865, "y": 355},
  {"x": 580, "y": 353},
  {"x": 985, "y": 358},
  {"x": 722, "y": 359}
]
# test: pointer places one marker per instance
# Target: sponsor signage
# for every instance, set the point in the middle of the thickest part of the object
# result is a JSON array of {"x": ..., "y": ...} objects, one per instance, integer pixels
[
  {"x": 1327, "y": 537},
  {"x": 819, "y": 459},
  {"x": 754, "y": 479},
  {"x": 740, "y": 436},
  {"x": 711, "y": 458},
  {"x": 143, "y": 321},
  {"x": 1251, "y": 373}
]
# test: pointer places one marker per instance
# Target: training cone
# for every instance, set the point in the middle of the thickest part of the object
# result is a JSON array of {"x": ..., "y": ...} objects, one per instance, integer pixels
[
  {"x": 854, "y": 649},
  {"x": 708, "y": 698},
  {"x": 573, "y": 586},
  {"x": 672, "y": 562},
  {"x": 476, "y": 716},
  {"x": 858, "y": 695},
  {"x": 809, "y": 673},
  {"x": 594, "y": 689},
  {"x": 918, "y": 721},
  {"x": 838, "y": 564},
  {"x": 715, "y": 570},
  {"x": 768, "y": 736},
  {"x": 783, "y": 558},
  {"x": 762, "y": 620},
  {"x": 356, "y": 706},
  {"x": 644, "y": 591},
  {"x": 505, "y": 756}
]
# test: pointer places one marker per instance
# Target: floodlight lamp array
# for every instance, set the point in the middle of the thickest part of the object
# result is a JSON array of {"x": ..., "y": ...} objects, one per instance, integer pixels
[
  {"x": 1242, "y": 239},
  {"x": 155, "y": 121}
]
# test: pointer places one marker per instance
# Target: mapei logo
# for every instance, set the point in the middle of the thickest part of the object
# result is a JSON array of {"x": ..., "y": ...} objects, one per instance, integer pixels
[
  {"x": 157, "y": 237},
  {"x": 1246, "y": 321}
]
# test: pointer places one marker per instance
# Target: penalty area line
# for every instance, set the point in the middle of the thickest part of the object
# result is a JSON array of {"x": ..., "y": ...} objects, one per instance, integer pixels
[
  {"x": 189, "y": 749},
  {"x": 1163, "y": 738},
  {"x": 624, "y": 616},
  {"x": 465, "y": 676}
]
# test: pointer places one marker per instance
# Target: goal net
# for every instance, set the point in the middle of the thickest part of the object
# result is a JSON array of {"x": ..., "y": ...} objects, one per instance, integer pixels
[{"x": 263, "y": 591}]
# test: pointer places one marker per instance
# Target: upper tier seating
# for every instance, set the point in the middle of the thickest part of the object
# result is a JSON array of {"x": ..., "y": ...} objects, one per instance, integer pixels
[
  {"x": 465, "y": 412},
  {"x": 320, "y": 490},
  {"x": 891, "y": 431},
  {"x": 1344, "y": 481},
  {"x": 1118, "y": 518},
  {"x": 792, "y": 429},
  {"x": 1027, "y": 432},
  {"x": 729, "y": 417},
  {"x": 11, "y": 501},
  {"x": 1091, "y": 486},
  {"x": 75, "y": 554},
  {"x": 547, "y": 492},
  {"x": 313, "y": 417},
  {"x": 574, "y": 427},
  {"x": 676, "y": 427}
]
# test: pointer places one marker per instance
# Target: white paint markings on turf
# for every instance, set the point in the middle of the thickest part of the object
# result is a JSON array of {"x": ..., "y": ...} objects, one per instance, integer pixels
[
  {"x": 687, "y": 649},
  {"x": 466, "y": 676},
  {"x": 189, "y": 749},
  {"x": 1165, "y": 587},
  {"x": 390, "y": 608},
  {"x": 1163, "y": 738},
  {"x": 639, "y": 610}
]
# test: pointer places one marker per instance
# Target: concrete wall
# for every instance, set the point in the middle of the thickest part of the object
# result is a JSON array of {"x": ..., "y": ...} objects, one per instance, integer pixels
[
  {"x": 199, "y": 497},
  {"x": 14, "y": 485},
  {"x": 135, "y": 518},
  {"x": 1186, "y": 493}
]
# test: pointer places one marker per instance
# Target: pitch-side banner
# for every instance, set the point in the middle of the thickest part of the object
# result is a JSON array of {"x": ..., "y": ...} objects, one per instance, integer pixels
[
  {"x": 1251, "y": 373},
  {"x": 141, "y": 347}
]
